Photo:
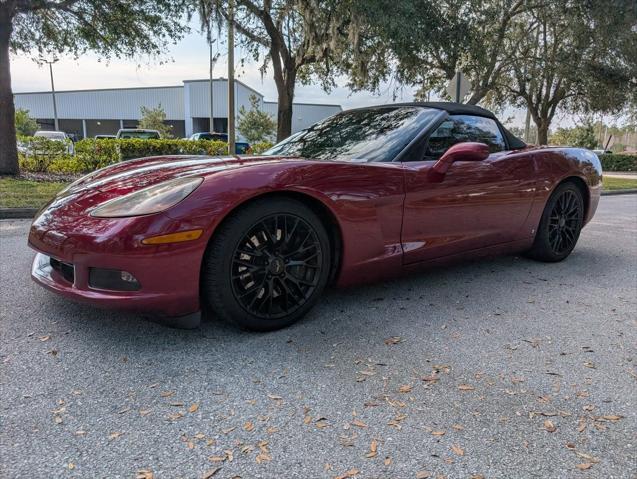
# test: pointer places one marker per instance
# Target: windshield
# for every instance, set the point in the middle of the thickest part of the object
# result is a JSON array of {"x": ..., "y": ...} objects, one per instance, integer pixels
[
  {"x": 52, "y": 135},
  {"x": 144, "y": 135},
  {"x": 371, "y": 134}
]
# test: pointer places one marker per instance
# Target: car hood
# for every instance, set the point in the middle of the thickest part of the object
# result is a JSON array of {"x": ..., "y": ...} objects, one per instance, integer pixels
[{"x": 129, "y": 176}]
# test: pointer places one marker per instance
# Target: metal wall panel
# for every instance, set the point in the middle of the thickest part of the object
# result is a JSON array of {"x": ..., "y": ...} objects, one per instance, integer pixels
[
  {"x": 104, "y": 104},
  {"x": 200, "y": 97},
  {"x": 304, "y": 114},
  {"x": 180, "y": 103}
]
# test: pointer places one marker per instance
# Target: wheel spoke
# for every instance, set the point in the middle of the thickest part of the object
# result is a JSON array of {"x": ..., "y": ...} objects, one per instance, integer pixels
[{"x": 276, "y": 267}]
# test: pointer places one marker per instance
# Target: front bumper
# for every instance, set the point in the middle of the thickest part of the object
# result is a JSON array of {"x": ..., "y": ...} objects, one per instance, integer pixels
[
  {"x": 168, "y": 274},
  {"x": 172, "y": 308}
]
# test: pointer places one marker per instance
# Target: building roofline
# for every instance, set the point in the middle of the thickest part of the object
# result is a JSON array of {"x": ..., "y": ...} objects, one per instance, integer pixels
[
  {"x": 89, "y": 90},
  {"x": 308, "y": 104},
  {"x": 48, "y": 92},
  {"x": 225, "y": 79}
]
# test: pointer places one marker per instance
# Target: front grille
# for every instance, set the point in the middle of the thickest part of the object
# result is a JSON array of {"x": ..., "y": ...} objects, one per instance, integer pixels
[{"x": 66, "y": 270}]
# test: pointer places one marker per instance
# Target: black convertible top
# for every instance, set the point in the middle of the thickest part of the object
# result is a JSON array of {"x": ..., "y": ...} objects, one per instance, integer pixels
[
  {"x": 453, "y": 108},
  {"x": 460, "y": 109}
]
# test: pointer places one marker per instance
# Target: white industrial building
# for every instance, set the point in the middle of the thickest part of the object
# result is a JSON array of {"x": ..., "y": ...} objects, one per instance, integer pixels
[{"x": 87, "y": 113}]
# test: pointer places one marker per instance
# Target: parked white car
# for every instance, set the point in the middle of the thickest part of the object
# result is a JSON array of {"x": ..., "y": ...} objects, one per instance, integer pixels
[{"x": 57, "y": 136}]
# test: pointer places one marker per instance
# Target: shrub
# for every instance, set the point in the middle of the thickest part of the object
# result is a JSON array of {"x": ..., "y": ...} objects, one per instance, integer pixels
[
  {"x": 260, "y": 147},
  {"x": 43, "y": 155},
  {"x": 619, "y": 161},
  {"x": 35, "y": 153},
  {"x": 136, "y": 148}
]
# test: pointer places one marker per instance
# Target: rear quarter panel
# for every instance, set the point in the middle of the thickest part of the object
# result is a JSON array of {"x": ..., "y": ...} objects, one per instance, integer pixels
[{"x": 555, "y": 165}]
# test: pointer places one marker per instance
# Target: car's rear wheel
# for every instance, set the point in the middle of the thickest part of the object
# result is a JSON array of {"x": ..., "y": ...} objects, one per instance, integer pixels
[
  {"x": 560, "y": 225},
  {"x": 267, "y": 264}
]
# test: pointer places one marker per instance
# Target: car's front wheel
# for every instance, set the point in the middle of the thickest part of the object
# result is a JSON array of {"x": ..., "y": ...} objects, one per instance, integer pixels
[
  {"x": 560, "y": 225},
  {"x": 267, "y": 264}
]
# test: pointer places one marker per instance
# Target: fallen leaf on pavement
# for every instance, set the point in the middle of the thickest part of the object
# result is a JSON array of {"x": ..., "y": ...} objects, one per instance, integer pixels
[
  {"x": 167, "y": 394},
  {"x": 358, "y": 423},
  {"x": 584, "y": 466},
  {"x": 193, "y": 407},
  {"x": 210, "y": 473},
  {"x": 351, "y": 473},
  {"x": 405, "y": 388},
  {"x": 423, "y": 474},
  {"x": 321, "y": 423},
  {"x": 115, "y": 435},
  {"x": 373, "y": 448},
  {"x": 44, "y": 338},
  {"x": 248, "y": 426},
  {"x": 549, "y": 426},
  {"x": 144, "y": 474},
  {"x": 393, "y": 340},
  {"x": 581, "y": 424},
  {"x": 274, "y": 397},
  {"x": 457, "y": 450},
  {"x": 387, "y": 461},
  {"x": 466, "y": 387},
  {"x": 612, "y": 417},
  {"x": 437, "y": 433}
]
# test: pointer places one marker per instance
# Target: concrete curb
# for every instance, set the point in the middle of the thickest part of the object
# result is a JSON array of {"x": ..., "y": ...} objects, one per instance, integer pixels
[
  {"x": 29, "y": 213},
  {"x": 619, "y": 192},
  {"x": 17, "y": 213}
]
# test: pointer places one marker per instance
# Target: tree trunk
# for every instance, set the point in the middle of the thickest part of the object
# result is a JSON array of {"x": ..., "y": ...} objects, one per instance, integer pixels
[
  {"x": 285, "y": 88},
  {"x": 542, "y": 131},
  {"x": 8, "y": 147}
]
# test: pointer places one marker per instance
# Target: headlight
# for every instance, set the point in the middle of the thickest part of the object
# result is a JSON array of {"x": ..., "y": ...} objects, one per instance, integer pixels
[{"x": 150, "y": 200}]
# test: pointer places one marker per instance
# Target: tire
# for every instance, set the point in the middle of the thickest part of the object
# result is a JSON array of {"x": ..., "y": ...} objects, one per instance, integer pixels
[
  {"x": 267, "y": 264},
  {"x": 560, "y": 226}
]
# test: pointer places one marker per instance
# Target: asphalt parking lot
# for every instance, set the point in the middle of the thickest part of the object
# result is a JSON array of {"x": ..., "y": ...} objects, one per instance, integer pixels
[{"x": 502, "y": 368}]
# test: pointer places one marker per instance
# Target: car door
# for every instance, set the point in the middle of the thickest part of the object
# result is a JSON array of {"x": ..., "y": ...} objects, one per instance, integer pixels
[{"x": 476, "y": 204}]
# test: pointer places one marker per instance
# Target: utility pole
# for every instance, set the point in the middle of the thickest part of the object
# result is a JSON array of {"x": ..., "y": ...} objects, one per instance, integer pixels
[
  {"x": 231, "y": 133},
  {"x": 527, "y": 125},
  {"x": 213, "y": 60},
  {"x": 55, "y": 108},
  {"x": 458, "y": 81}
]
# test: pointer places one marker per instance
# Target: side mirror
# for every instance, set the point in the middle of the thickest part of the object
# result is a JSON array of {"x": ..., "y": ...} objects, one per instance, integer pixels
[{"x": 470, "y": 151}]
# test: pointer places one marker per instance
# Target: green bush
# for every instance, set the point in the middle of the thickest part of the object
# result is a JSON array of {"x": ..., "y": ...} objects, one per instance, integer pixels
[
  {"x": 42, "y": 155},
  {"x": 35, "y": 153},
  {"x": 619, "y": 161},
  {"x": 260, "y": 147}
]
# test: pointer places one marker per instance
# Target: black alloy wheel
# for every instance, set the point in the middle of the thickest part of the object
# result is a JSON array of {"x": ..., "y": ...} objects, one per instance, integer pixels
[
  {"x": 564, "y": 222},
  {"x": 560, "y": 225},
  {"x": 267, "y": 264},
  {"x": 276, "y": 266}
]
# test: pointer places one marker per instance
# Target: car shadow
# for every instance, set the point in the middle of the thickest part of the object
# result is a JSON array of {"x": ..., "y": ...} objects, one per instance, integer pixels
[{"x": 366, "y": 314}]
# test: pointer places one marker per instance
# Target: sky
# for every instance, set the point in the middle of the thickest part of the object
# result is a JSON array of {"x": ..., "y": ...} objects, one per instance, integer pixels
[{"x": 188, "y": 60}]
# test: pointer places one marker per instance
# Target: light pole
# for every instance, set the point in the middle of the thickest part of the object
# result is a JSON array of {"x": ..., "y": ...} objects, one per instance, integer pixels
[
  {"x": 213, "y": 60},
  {"x": 231, "y": 134},
  {"x": 55, "y": 108}
]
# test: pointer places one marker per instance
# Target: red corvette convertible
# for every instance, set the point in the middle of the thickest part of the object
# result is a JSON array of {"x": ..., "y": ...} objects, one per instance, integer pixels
[{"x": 360, "y": 196}]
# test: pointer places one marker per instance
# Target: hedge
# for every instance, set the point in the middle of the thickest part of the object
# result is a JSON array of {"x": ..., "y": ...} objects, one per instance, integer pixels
[
  {"x": 42, "y": 155},
  {"x": 36, "y": 153},
  {"x": 619, "y": 161}
]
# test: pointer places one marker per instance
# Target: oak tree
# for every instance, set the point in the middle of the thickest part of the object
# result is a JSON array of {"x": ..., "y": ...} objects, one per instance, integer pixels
[
  {"x": 300, "y": 40},
  {"x": 111, "y": 28}
]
